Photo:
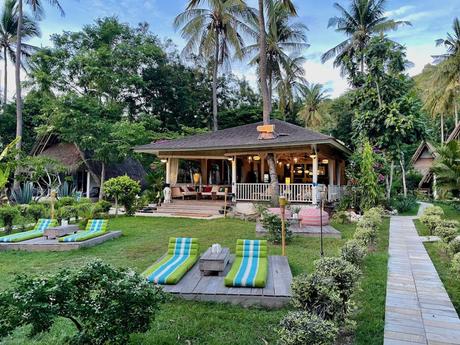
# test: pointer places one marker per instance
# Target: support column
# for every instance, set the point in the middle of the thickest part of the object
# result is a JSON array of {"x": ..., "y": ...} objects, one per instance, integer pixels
[
  {"x": 234, "y": 177},
  {"x": 262, "y": 168},
  {"x": 330, "y": 173},
  {"x": 314, "y": 191},
  {"x": 339, "y": 174},
  {"x": 168, "y": 171},
  {"x": 88, "y": 183}
]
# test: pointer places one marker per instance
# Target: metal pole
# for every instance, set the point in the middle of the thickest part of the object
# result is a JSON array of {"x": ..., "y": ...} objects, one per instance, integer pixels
[{"x": 321, "y": 225}]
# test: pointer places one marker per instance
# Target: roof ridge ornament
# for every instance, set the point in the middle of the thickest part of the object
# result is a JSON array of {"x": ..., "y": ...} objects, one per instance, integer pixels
[{"x": 266, "y": 132}]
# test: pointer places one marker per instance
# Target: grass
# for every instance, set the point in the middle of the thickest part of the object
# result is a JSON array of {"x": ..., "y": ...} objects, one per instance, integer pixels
[
  {"x": 183, "y": 322},
  {"x": 440, "y": 259},
  {"x": 412, "y": 212}
]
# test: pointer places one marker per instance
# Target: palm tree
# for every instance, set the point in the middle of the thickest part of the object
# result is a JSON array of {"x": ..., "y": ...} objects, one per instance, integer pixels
[
  {"x": 8, "y": 38},
  {"x": 364, "y": 19},
  {"x": 37, "y": 9},
  {"x": 281, "y": 37},
  {"x": 446, "y": 168},
  {"x": 214, "y": 32},
  {"x": 447, "y": 75},
  {"x": 289, "y": 83},
  {"x": 314, "y": 97}
]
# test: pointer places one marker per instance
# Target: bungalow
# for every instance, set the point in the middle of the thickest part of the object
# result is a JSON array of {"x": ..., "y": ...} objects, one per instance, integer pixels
[
  {"x": 82, "y": 168},
  {"x": 423, "y": 159},
  {"x": 237, "y": 158}
]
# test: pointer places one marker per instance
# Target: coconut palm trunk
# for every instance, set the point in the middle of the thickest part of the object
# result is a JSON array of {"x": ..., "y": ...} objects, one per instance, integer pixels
[
  {"x": 214, "y": 84},
  {"x": 442, "y": 128},
  {"x": 5, "y": 77},
  {"x": 19, "y": 121},
  {"x": 101, "y": 189}
]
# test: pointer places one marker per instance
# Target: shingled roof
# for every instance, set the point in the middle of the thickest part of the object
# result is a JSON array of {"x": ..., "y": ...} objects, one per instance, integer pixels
[{"x": 242, "y": 137}]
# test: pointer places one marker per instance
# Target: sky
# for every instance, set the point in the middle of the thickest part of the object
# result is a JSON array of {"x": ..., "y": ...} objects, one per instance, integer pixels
[{"x": 431, "y": 19}]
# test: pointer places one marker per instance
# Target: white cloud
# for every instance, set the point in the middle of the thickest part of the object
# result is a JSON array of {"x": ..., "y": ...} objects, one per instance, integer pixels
[
  {"x": 399, "y": 11},
  {"x": 421, "y": 55},
  {"x": 326, "y": 74}
]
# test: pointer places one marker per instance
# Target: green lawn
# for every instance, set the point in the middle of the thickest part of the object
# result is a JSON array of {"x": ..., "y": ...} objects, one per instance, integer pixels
[
  {"x": 441, "y": 260},
  {"x": 182, "y": 322}
]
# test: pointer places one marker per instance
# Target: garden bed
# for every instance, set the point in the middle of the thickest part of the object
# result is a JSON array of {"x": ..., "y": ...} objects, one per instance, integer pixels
[{"x": 144, "y": 240}]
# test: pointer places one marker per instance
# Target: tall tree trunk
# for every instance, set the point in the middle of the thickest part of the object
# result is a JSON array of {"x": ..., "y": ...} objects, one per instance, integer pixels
[
  {"x": 18, "y": 87},
  {"x": 214, "y": 85},
  {"x": 266, "y": 99},
  {"x": 442, "y": 129},
  {"x": 263, "y": 64},
  {"x": 403, "y": 174},
  {"x": 101, "y": 189},
  {"x": 5, "y": 78},
  {"x": 456, "y": 112},
  {"x": 270, "y": 90},
  {"x": 390, "y": 181}
]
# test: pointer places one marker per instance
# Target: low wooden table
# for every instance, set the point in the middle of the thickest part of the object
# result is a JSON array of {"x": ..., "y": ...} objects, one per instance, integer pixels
[
  {"x": 59, "y": 231},
  {"x": 214, "y": 264}
]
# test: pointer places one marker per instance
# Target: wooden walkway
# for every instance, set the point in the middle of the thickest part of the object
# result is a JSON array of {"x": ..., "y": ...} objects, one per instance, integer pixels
[
  {"x": 417, "y": 309},
  {"x": 276, "y": 294},
  {"x": 43, "y": 245}
]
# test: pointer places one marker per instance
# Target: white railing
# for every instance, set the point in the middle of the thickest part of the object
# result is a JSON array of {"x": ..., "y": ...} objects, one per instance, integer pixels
[
  {"x": 297, "y": 192},
  {"x": 253, "y": 191},
  {"x": 294, "y": 192}
]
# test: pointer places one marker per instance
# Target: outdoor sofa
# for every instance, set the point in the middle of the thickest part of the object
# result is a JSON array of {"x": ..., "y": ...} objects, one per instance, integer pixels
[
  {"x": 250, "y": 268},
  {"x": 183, "y": 253},
  {"x": 94, "y": 228},
  {"x": 36, "y": 232}
]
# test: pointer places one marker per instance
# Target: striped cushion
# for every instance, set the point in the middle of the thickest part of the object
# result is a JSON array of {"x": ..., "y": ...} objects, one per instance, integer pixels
[
  {"x": 94, "y": 228},
  {"x": 311, "y": 216},
  {"x": 182, "y": 254},
  {"x": 37, "y": 231},
  {"x": 251, "y": 264}
]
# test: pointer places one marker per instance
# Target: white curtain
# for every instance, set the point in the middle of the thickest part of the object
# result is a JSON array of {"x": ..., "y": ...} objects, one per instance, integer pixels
[{"x": 174, "y": 169}]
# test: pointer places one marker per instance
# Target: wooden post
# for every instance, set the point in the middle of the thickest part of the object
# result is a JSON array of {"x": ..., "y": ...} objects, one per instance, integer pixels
[
  {"x": 314, "y": 191},
  {"x": 168, "y": 171},
  {"x": 234, "y": 177},
  {"x": 53, "y": 200},
  {"x": 283, "y": 202},
  {"x": 225, "y": 203},
  {"x": 88, "y": 183}
]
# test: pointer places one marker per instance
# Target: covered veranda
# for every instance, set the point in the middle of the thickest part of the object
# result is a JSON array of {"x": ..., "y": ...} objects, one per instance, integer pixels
[{"x": 235, "y": 159}]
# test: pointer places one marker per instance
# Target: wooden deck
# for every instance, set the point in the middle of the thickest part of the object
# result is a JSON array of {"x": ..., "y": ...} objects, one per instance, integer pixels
[
  {"x": 276, "y": 294},
  {"x": 43, "y": 245}
]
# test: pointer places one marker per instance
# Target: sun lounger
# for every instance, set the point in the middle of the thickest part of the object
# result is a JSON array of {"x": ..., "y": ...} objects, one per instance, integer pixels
[
  {"x": 183, "y": 253},
  {"x": 36, "y": 232},
  {"x": 250, "y": 267},
  {"x": 94, "y": 228}
]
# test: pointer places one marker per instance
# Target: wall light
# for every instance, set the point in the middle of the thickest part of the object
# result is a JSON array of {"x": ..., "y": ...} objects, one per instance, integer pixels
[
  {"x": 163, "y": 160},
  {"x": 295, "y": 159},
  {"x": 325, "y": 161},
  {"x": 312, "y": 156},
  {"x": 230, "y": 159},
  {"x": 256, "y": 158}
]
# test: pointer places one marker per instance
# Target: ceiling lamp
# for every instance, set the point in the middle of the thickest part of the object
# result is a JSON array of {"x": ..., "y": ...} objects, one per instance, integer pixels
[
  {"x": 295, "y": 159},
  {"x": 288, "y": 165},
  {"x": 256, "y": 158},
  {"x": 163, "y": 160},
  {"x": 325, "y": 161},
  {"x": 312, "y": 156},
  {"x": 230, "y": 158},
  {"x": 249, "y": 158},
  {"x": 299, "y": 171}
]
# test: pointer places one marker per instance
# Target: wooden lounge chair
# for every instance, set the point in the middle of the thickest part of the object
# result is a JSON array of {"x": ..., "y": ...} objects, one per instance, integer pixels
[
  {"x": 183, "y": 253},
  {"x": 94, "y": 228},
  {"x": 36, "y": 232},
  {"x": 250, "y": 267}
]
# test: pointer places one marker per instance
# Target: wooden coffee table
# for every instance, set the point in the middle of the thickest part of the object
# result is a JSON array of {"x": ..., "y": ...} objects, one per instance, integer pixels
[
  {"x": 214, "y": 264},
  {"x": 59, "y": 231}
]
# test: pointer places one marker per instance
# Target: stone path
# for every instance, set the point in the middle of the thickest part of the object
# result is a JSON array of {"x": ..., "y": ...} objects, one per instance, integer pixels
[{"x": 417, "y": 309}]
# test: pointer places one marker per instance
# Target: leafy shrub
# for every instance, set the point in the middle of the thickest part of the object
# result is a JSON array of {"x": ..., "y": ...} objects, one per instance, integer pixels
[
  {"x": 403, "y": 204},
  {"x": 106, "y": 304},
  {"x": 23, "y": 195},
  {"x": 103, "y": 205},
  {"x": 84, "y": 210},
  {"x": 67, "y": 212},
  {"x": 369, "y": 222},
  {"x": 8, "y": 214},
  {"x": 454, "y": 246},
  {"x": 123, "y": 190},
  {"x": 66, "y": 201},
  {"x": 446, "y": 234},
  {"x": 344, "y": 275},
  {"x": 366, "y": 236},
  {"x": 272, "y": 223},
  {"x": 431, "y": 221},
  {"x": 354, "y": 252},
  {"x": 301, "y": 328},
  {"x": 434, "y": 211},
  {"x": 456, "y": 265},
  {"x": 36, "y": 211},
  {"x": 449, "y": 223},
  {"x": 318, "y": 295},
  {"x": 341, "y": 217}
]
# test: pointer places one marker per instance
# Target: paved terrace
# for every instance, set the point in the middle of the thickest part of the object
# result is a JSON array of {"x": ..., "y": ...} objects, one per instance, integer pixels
[{"x": 418, "y": 309}]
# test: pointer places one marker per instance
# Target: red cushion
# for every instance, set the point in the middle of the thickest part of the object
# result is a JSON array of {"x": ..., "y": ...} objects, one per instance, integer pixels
[
  {"x": 191, "y": 189},
  {"x": 311, "y": 216},
  {"x": 207, "y": 189},
  {"x": 182, "y": 189}
]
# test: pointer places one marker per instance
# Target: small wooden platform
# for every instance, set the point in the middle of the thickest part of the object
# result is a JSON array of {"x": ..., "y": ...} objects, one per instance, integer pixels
[
  {"x": 43, "y": 245},
  {"x": 276, "y": 294},
  {"x": 305, "y": 231}
]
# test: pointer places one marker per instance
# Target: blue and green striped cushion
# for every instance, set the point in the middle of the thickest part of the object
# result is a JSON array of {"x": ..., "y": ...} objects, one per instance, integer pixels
[
  {"x": 37, "y": 231},
  {"x": 94, "y": 228},
  {"x": 250, "y": 268},
  {"x": 182, "y": 255}
]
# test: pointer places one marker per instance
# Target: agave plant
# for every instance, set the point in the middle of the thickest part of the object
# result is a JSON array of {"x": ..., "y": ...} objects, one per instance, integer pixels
[
  {"x": 66, "y": 190},
  {"x": 23, "y": 195}
]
